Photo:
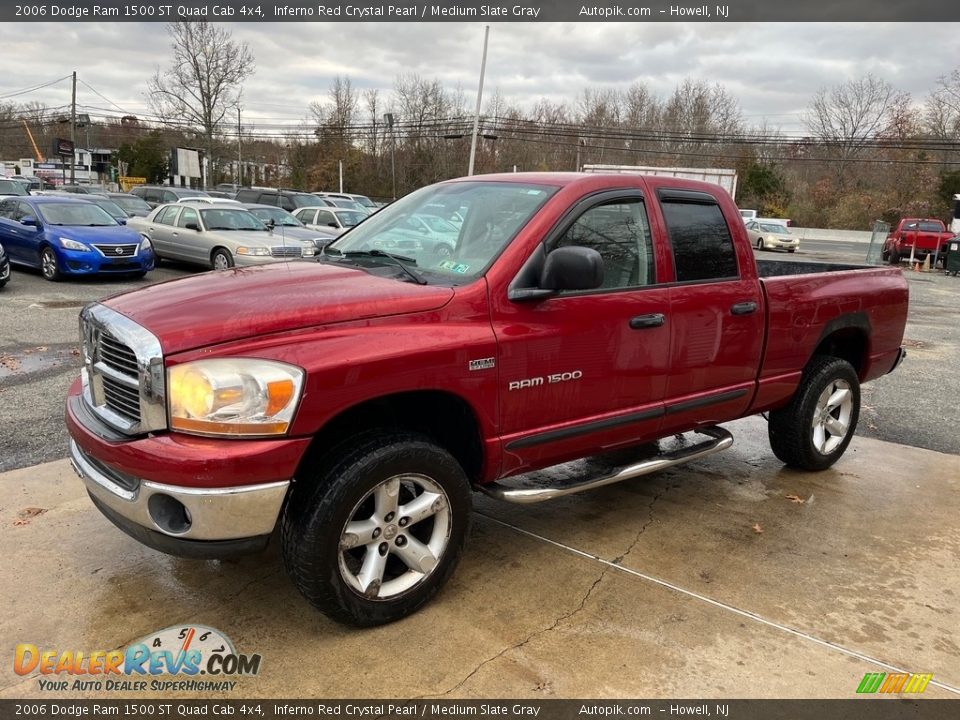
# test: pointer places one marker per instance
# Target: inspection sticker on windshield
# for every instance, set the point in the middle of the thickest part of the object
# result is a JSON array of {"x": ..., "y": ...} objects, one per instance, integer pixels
[{"x": 454, "y": 266}]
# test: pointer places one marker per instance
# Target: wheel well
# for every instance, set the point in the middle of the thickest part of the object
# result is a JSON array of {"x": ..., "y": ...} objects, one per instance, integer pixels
[
  {"x": 216, "y": 249},
  {"x": 849, "y": 344},
  {"x": 447, "y": 419}
]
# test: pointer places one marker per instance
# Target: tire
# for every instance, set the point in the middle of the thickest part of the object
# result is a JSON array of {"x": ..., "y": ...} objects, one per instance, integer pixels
[
  {"x": 49, "y": 266},
  {"x": 894, "y": 257},
  {"x": 443, "y": 250},
  {"x": 335, "y": 569},
  {"x": 796, "y": 435},
  {"x": 791, "y": 250},
  {"x": 760, "y": 244},
  {"x": 221, "y": 259}
]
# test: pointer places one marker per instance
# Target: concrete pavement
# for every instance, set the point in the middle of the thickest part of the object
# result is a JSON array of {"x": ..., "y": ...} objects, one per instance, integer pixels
[{"x": 730, "y": 577}]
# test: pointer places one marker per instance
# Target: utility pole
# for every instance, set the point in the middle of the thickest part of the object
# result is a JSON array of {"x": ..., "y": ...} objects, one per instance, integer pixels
[
  {"x": 340, "y": 163},
  {"x": 476, "y": 116},
  {"x": 388, "y": 119},
  {"x": 73, "y": 130},
  {"x": 239, "y": 153}
]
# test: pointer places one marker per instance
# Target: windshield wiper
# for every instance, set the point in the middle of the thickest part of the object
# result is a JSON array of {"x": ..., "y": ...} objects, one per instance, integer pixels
[{"x": 398, "y": 260}]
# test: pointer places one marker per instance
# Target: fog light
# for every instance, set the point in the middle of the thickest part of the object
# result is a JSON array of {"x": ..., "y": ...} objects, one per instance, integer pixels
[{"x": 169, "y": 514}]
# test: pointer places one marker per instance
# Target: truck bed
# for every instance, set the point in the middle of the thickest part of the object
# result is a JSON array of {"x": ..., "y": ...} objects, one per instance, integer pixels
[{"x": 805, "y": 301}]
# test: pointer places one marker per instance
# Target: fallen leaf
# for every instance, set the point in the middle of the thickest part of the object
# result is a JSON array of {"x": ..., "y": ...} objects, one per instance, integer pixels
[
  {"x": 41, "y": 348},
  {"x": 795, "y": 499},
  {"x": 30, "y": 512},
  {"x": 21, "y": 522},
  {"x": 758, "y": 528}
]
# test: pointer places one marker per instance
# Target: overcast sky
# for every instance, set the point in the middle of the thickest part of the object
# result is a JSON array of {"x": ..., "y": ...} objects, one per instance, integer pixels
[{"x": 772, "y": 69}]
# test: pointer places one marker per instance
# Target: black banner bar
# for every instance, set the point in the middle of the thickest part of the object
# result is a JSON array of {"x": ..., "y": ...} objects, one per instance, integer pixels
[
  {"x": 887, "y": 708},
  {"x": 476, "y": 11}
]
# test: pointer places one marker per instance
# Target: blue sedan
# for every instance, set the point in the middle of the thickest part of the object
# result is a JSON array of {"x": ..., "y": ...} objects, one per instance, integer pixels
[{"x": 66, "y": 236}]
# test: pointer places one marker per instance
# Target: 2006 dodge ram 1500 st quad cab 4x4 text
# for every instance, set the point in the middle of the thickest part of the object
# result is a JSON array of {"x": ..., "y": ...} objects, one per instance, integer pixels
[{"x": 357, "y": 400}]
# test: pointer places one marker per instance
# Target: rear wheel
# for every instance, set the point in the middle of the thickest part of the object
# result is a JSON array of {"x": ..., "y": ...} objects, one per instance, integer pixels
[
  {"x": 894, "y": 257},
  {"x": 49, "y": 265},
  {"x": 790, "y": 250},
  {"x": 221, "y": 259},
  {"x": 814, "y": 429},
  {"x": 378, "y": 528}
]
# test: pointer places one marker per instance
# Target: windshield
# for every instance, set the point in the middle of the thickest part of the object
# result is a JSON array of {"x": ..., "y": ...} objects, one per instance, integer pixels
[
  {"x": 932, "y": 227},
  {"x": 230, "y": 219},
  {"x": 74, "y": 213},
  {"x": 365, "y": 201},
  {"x": 303, "y": 200},
  {"x": 132, "y": 203},
  {"x": 493, "y": 213},
  {"x": 111, "y": 207},
  {"x": 774, "y": 228},
  {"x": 12, "y": 187},
  {"x": 278, "y": 215}
]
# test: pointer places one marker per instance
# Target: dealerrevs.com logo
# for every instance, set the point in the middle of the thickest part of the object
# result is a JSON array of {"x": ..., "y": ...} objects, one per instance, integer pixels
[{"x": 186, "y": 653}]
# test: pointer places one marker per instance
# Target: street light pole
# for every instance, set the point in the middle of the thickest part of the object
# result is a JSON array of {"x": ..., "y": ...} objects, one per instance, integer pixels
[
  {"x": 476, "y": 115},
  {"x": 73, "y": 130},
  {"x": 239, "y": 152},
  {"x": 388, "y": 119}
]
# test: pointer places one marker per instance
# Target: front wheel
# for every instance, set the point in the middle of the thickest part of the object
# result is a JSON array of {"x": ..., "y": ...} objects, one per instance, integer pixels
[
  {"x": 372, "y": 536},
  {"x": 49, "y": 265},
  {"x": 760, "y": 244},
  {"x": 894, "y": 257},
  {"x": 814, "y": 429},
  {"x": 221, "y": 259}
]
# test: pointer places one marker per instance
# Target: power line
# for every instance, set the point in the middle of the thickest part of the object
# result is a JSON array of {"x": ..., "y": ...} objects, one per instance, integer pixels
[{"x": 35, "y": 88}]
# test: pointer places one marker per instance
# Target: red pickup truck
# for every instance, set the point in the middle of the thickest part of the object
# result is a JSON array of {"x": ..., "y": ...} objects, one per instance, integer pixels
[
  {"x": 921, "y": 236},
  {"x": 354, "y": 402}
]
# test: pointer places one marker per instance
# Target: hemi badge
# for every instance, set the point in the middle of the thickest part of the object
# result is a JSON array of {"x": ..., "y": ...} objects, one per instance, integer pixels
[{"x": 482, "y": 364}]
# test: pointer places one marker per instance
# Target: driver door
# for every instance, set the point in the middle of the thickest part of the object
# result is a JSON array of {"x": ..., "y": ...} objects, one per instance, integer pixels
[{"x": 583, "y": 371}]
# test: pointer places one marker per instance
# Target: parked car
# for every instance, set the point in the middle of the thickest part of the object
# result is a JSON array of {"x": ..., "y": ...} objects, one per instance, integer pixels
[
  {"x": 771, "y": 236},
  {"x": 156, "y": 195},
  {"x": 289, "y": 200},
  {"x": 9, "y": 186},
  {"x": 357, "y": 401},
  {"x": 919, "y": 236},
  {"x": 343, "y": 202},
  {"x": 70, "y": 236},
  {"x": 330, "y": 218},
  {"x": 76, "y": 189},
  {"x": 208, "y": 200},
  {"x": 286, "y": 225},
  {"x": 216, "y": 236},
  {"x": 4, "y": 267},
  {"x": 366, "y": 203},
  {"x": 132, "y": 205},
  {"x": 115, "y": 211},
  {"x": 222, "y": 194}
]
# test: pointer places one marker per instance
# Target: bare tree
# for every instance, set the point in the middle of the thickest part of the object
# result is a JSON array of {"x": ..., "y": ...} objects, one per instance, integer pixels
[
  {"x": 848, "y": 117},
  {"x": 204, "y": 81},
  {"x": 943, "y": 107}
]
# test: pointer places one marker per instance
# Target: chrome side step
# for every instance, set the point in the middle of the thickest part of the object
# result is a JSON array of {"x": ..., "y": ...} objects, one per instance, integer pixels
[{"x": 721, "y": 440}]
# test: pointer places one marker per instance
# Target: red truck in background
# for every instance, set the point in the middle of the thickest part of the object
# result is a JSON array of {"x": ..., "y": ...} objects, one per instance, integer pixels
[
  {"x": 355, "y": 402},
  {"x": 917, "y": 236}
]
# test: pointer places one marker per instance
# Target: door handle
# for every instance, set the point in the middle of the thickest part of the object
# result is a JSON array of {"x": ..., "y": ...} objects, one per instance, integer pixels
[
  {"x": 744, "y": 308},
  {"x": 647, "y": 321}
]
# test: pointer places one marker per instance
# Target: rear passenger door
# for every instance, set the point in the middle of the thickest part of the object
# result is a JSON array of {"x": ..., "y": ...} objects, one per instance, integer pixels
[{"x": 716, "y": 311}]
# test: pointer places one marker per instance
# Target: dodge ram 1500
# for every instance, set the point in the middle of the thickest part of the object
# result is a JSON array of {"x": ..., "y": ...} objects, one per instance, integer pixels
[{"x": 354, "y": 403}]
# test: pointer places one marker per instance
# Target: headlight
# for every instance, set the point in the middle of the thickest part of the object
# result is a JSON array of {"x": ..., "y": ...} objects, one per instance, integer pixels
[
  {"x": 71, "y": 244},
  {"x": 253, "y": 251},
  {"x": 234, "y": 396},
  {"x": 145, "y": 245}
]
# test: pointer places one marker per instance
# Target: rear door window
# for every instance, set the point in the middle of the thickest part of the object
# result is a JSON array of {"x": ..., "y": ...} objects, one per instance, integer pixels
[{"x": 701, "y": 242}]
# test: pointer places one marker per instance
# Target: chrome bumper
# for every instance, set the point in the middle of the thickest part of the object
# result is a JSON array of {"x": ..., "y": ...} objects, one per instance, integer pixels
[{"x": 201, "y": 514}]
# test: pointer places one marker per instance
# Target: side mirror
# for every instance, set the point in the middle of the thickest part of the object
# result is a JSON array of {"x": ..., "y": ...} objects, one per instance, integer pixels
[
  {"x": 332, "y": 224},
  {"x": 192, "y": 226},
  {"x": 572, "y": 268},
  {"x": 271, "y": 224},
  {"x": 29, "y": 221},
  {"x": 122, "y": 221}
]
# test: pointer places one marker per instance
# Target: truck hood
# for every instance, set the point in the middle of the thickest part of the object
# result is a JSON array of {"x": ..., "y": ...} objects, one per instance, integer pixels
[{"x": 226, "y": 305}]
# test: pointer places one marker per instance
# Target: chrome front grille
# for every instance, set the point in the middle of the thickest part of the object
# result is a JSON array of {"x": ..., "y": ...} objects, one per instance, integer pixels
[
  {"x": 117, "y": 250},
  {"x": 123, "y": 382},
  {"x": 286, "y": 251}
]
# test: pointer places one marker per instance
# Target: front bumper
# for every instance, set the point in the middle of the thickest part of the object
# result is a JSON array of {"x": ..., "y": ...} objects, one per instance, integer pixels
[
  {"x": 91, "y": 262},
  {"x": 148, "y": 485}
]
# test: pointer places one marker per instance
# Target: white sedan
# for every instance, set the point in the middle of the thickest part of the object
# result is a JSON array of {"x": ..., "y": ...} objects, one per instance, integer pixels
[{"x": 771, "y": 236}]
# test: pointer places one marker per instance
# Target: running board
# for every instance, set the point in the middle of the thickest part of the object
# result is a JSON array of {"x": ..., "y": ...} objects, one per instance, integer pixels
[{"x": 722, "y": 439}]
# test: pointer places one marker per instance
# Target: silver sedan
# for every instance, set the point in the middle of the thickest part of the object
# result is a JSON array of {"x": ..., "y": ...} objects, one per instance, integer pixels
[
  {"x": 771, "y": 236},
  {"x": 216, "y": 236}
]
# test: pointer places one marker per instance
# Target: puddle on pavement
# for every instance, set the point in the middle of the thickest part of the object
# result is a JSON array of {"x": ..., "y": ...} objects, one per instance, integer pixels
[{"x": 36, "y": 359}]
